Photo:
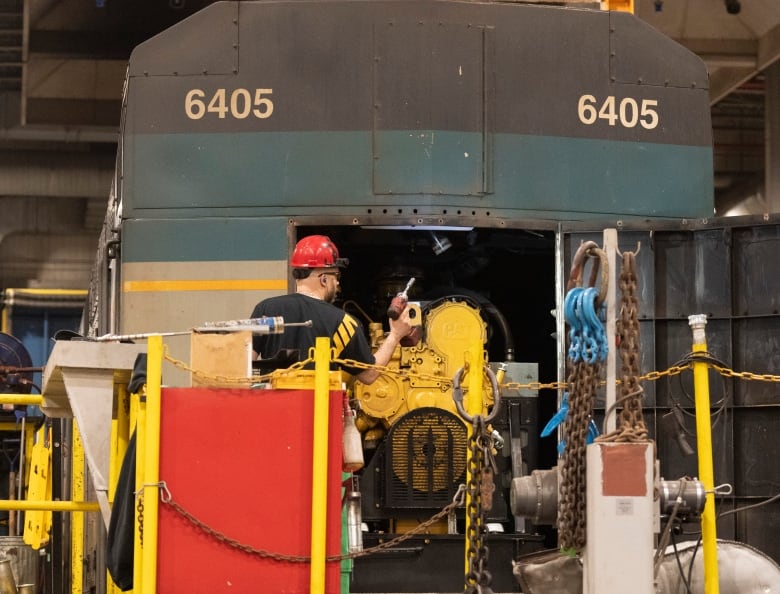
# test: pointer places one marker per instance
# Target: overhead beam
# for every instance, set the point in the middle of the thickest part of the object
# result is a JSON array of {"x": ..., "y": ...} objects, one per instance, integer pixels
[
  {"x": 723, "y": 81},
  {"x": 726, "y": 78},
  {"x": 722, "y": 49},
  {"x": 102, "y": 45},
  {"x": 74, "y": 92},
  {"x": 769, "y": 48},
  {"x": 56, "y": 174}
]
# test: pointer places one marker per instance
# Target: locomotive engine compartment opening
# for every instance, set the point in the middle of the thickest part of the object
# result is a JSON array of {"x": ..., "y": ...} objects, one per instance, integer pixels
[
  {"x": 503, "y": 280},
  {"x": 512, "y": 271}
]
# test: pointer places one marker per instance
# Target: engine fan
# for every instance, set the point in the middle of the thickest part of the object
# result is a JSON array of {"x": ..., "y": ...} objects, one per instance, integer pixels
[
  {"x": 13, "y": 356},
  {"x": 425, "y": 459}
]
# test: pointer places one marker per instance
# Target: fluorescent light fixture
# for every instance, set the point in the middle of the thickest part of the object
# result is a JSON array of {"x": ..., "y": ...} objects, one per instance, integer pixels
[{"x": 416, "y": 228}]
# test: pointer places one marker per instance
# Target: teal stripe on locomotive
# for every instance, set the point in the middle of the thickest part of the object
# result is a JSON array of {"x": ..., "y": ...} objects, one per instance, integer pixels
[
  {"x": 511, "y": 175},
  {"x": 204, "y": 240}
]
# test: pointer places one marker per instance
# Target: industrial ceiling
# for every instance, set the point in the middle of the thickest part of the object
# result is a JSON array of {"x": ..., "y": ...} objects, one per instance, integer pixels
[{"x": 62, "y": 67}]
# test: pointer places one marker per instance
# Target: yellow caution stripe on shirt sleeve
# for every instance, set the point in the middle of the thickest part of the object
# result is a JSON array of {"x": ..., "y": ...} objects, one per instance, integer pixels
[{"x": 344, "y": 333}]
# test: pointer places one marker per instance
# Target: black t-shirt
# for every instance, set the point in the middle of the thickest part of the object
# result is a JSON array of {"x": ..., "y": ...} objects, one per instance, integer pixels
[{"x": 345, "y": 332}]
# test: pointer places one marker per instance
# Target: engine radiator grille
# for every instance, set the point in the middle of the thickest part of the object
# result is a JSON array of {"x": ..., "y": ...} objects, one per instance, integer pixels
[{"x": 425, "y": 459}]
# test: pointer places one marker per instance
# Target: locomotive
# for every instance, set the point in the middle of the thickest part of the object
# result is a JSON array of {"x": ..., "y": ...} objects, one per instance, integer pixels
[{"x": 468, "y": 145}]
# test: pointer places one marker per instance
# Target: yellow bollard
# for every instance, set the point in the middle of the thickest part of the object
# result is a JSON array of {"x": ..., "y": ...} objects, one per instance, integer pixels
[
  {"x": 704, "y": 443},
  {"x": 151, "y": 470},
  {"x": 120, "y": 432},
  {"x": 140, "y": 457},
  {"x": 319, "y": 485},
  {"x": 473, "y": 406}
]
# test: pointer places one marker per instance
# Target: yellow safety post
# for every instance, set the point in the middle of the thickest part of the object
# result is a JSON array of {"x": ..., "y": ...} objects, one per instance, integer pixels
[
  {"x": 474, "y": 406},
  {"x": 140, "y": 453},
  {"x": 704, "y": 444},
  {"x": 319, "y": 475},
  {"x": 151, "y": 470},
  {"x": 78, "y": 491},
  {"x": 120, "y": 430}
]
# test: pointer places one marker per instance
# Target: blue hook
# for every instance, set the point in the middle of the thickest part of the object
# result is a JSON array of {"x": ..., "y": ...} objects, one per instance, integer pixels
[{"x": 558, "y": 417}]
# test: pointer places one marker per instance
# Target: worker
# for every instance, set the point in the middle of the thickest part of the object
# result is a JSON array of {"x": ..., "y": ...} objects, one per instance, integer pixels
[{"x": 316, "y": 268}]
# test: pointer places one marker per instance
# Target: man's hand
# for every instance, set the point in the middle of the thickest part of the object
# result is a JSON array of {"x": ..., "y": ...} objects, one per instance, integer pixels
[
  {"x": 398, "y": 329},
  {"x": 402, "y": 326}
]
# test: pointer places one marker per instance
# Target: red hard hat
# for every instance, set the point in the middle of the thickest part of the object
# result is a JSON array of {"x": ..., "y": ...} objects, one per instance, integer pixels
[{"x": 317, "y": 251}]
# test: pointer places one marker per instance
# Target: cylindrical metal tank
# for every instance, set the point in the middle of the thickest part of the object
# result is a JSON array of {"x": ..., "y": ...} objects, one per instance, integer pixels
[{"x": 24, "y": 560}]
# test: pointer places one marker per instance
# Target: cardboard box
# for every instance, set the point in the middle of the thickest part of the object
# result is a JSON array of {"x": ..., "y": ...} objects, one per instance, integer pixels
[{"x": 221, "y": 359}]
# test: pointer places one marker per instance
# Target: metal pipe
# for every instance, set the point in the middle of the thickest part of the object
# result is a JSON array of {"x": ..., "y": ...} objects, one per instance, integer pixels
[
  {"x": 704, "y": 442},
  {"x": 28, "y": 505},
  {"x": 12, "y": 516},
  {"x": 319, "y": 487},
  {"x": 20, "y": 482},
  {"x": 34, "y": 399},
  {"x": 560, "y": 320},
  {"x": 7, "y": 581},
  {"x": 78, "y": 490},
  {"x": 611, "y": 247}
]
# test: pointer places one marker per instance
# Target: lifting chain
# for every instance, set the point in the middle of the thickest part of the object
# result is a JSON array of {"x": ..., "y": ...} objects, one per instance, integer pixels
[
  {"x": 480, "y": 489},
  {"x": 632, "y": 424},
  {"x": 582, "y": 381}
]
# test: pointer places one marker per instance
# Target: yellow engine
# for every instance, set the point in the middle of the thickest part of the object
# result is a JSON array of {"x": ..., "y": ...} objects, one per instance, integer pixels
[{"x": 450, "y": 328}]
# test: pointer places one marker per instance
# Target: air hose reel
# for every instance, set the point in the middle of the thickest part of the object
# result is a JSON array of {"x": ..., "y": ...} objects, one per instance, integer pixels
[{"x": 16, "y": 374}]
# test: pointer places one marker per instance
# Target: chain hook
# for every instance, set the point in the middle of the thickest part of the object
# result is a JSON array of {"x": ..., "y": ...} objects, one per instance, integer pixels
[
  {"x": 459, "y": 499},
  {"x": 592, "y": 250}
]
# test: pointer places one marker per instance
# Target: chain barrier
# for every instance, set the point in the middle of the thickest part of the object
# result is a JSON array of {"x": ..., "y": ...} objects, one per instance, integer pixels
[
  {"x": 446, "y": 383},
  {"x": 649, "y": 376},
  {"x": 167, "y": 499}
]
